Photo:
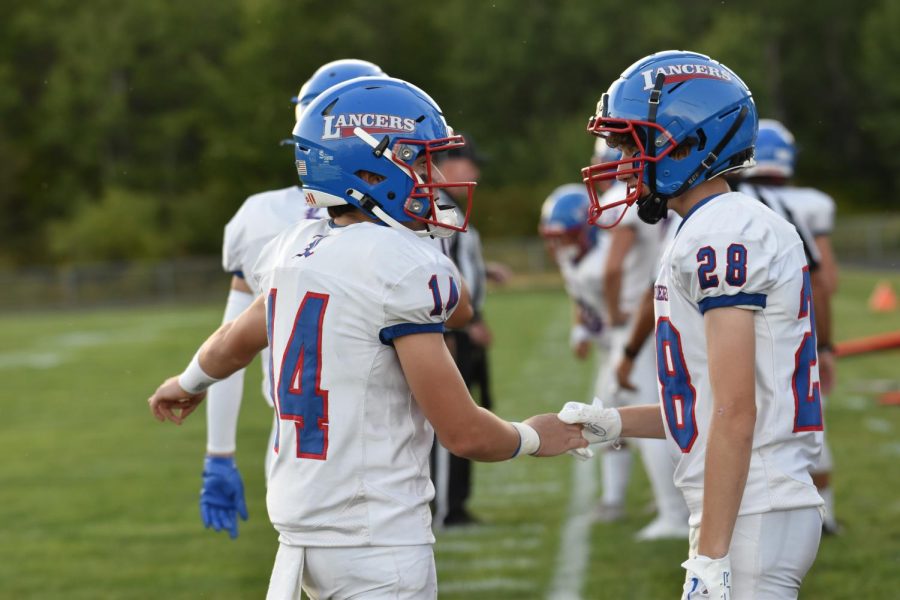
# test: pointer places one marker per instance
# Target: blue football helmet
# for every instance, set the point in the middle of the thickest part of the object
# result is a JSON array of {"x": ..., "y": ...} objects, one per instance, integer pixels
[
  {"x": 603, "y": 153},
  {"x": 329, "y": 74},
  {"x": 565, "y": 210},
  {"x": 564, "y": 218},
  {"x": 384, "y": 127},
  {"x": 776, "y": 151},
  {"x": 669, "y": 100}
]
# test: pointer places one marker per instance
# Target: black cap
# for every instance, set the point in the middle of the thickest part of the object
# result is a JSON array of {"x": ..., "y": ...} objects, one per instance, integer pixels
[{"x": 469, "y": 151}]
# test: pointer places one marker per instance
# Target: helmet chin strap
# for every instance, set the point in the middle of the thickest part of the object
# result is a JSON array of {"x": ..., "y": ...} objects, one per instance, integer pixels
[
  {"x": 653, "y": 207},
  {"x": 371, "y": 205}
]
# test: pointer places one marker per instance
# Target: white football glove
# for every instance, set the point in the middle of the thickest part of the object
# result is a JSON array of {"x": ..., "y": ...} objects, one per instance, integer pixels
[
  {"x": 578, "y": 334},
  {"x": 707, "y": 578},
  {"x": 600, "y": 424}
]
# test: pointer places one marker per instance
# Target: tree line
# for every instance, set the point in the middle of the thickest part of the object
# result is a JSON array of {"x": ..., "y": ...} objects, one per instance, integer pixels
[{"x": 133, "y": 130}]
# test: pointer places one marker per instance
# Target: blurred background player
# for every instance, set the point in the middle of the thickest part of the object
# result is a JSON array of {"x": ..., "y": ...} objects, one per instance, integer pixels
[
  {"x": 259, "y": 219},
  {"x": 812, "y": 212},
  {"x": 580, "y": 254},
  {"x": 735, "y": 337},
  {"x": 452, "y": 475},
  {"x": 631, "y": 260},
  {"x": 353, "y": 310}
]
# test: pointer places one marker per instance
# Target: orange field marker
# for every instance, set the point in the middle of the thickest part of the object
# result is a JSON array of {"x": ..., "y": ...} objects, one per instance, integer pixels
[{"x": 883, "y": 298}]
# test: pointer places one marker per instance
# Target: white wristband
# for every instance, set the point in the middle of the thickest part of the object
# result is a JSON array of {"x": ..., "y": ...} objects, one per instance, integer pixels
[
  {"x": 194, "y": 379},
  {"x": 578, "y": 334},
  {"x": 529, "y": 440}
]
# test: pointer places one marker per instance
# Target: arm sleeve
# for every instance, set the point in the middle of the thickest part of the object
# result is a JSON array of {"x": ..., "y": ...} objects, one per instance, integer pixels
[
  {"x": 421, "y": 301},
  {"x": 224, "y": 398},
  {"x": 727, "y": 269}
]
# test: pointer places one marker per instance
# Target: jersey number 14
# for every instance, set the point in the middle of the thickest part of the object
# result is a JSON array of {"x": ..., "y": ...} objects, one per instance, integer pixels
[{"x": 299, "y": 396}]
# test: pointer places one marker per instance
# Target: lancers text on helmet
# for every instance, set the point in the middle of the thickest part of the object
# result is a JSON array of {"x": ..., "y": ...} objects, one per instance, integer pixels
[
  {"x": 340, "y": 126},
  {"x": 677, "y": 73}
]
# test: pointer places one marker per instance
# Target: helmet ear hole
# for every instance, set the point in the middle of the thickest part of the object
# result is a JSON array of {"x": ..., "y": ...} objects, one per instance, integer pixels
[{"x": 370, "y": 177}]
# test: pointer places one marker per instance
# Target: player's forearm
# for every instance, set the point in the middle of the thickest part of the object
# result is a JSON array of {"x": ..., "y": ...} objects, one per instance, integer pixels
[
  {"x": 829, "y": 267},
  {"x": 612, "y": 290},
  {"x": 225, "y": 353},
  {"x": 822, "y": 306},
  {"x": 644, "y": 421},
  {"x": 727, "y": 464},
  {"x": 488, "y": 439}
]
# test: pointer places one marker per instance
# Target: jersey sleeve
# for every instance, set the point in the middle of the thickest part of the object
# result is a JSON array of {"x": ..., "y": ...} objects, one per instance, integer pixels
[
  {"x": 259, "y": 275},
  {"x": 234, "y": 244},
  {"x": 723, "y": 269},
  {"x": 822, "y": 217},
  {"x": 421, "y": 300}
]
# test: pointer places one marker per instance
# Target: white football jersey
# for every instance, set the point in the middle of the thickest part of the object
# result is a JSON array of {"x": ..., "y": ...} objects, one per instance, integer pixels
[
  {"x": 731, "y": 250},
  {"x": 259, "y": 219},
  {"x": 352, "y": 465},
  {"x": 583, "y": 278},
  {"x": 776, "y": 198},
  {"x": 816, "y": 209}
]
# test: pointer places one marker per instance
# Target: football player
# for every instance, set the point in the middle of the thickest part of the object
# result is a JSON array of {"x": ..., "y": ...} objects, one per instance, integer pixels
[
  {"x": 812, "y": 212},
  {"x": 353, "y": 310},
  {"x": 735, "y": 332},
  {"x": 632, "y": 257},
  {"x": 580, "y": 254},
  {"x": 259, "y": 219}
]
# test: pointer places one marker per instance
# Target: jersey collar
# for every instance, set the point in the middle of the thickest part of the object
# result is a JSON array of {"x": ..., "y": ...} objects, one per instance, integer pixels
[{"x": 695, "y": 208}]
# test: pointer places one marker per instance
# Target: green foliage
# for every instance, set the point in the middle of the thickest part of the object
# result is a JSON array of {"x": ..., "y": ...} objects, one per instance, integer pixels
[
  {"x": 119, "y": 226},
  {"x": 186, "y": 101}
]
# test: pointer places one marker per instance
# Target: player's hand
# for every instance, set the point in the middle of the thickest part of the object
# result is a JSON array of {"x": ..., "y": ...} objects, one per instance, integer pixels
[
  {"x": 222, "y": 495},
  {"x": 600, "y": 424},
  {"x": 827, "y": 370},
  {"x": 556, "y": 437},
  {"x": 480, "y": 334},
  {"x": 707, "y": 578},
  {"x": 623, "y": 374},
  {"x": 171, "y": 402},
  {"x": 582, "y": 349},
  {"x": 580, "y": 341}
]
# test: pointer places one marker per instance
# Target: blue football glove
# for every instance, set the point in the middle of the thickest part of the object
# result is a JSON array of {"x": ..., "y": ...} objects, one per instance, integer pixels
[{"x": 222, "y": 495}]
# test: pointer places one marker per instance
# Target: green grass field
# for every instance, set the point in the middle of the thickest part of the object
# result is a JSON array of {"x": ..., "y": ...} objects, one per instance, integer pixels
[{"x": 97, "y": 500}]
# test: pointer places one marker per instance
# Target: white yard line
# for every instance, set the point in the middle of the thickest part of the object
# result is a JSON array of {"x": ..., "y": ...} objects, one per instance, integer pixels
[{"x": 574, "y": 547}]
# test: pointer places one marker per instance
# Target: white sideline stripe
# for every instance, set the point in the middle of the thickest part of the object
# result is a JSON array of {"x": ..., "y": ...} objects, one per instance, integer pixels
[
  {"x": 487, "y": 585},
  {"x": 521, "y": 563},
  {"x": 574, "y": 547},
  {"x": 878, "y": 425}
]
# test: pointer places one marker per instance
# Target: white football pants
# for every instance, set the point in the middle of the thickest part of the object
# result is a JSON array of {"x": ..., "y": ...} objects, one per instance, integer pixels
[
  {"x": 770, "y": 552},
  {"x": 359, "y": 572}
]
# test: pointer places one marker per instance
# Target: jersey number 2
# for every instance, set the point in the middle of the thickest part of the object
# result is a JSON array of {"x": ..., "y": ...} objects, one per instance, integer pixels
[
  {"x": 298, "y": 395},
  {"x": 807, "y": 397}
]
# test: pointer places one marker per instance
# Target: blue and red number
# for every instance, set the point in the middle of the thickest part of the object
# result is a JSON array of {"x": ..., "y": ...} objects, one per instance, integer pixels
[
  {"x": 678, "y": 394},
  {"x": 706, "y": 256},
  {"x": 300, "y": 397},
  {"x": 807, "y": 397}
]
